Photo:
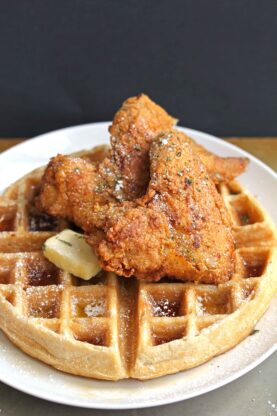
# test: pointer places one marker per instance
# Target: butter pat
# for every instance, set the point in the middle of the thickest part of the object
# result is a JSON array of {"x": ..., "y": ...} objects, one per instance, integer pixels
[{"x": 70, "y": 252}]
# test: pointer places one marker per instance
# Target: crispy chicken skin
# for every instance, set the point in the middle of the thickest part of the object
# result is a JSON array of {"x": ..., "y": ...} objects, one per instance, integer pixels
[
  {"x": 124, "y": 174},
  {"x": 220, "y": 169},
  {"x": 180, "y": 228},
  {"x": 155, "y": 231},
  {"x": 73, "y": 188},
  {"x": 135, "y": 125}
]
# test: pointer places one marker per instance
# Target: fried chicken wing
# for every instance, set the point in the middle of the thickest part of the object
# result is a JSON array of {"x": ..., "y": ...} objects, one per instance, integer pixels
[
  {"x": 135, "y": 125},
  {"x": 221, "y": 169},
  {"x": 72, "y": 188},
  {"x": 124, "y": 174},
  {"x": 175, "y": 227},
  {"x": 180, "y": 228}
]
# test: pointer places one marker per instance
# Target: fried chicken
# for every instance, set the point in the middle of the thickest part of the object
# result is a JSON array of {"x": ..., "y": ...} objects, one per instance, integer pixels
[
  {"x": 135, "y": 125},
  {"x": 180, "y": 228},
  {"x": 221, "y": 169},
  {"x": 124, "y": 174},
  {"x": 130, "y": 231},
  {"x": 72, "y": 188}
]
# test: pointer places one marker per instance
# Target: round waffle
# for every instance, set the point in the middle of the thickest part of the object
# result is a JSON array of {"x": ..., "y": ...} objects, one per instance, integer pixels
[{"x": 113, "y": 328}]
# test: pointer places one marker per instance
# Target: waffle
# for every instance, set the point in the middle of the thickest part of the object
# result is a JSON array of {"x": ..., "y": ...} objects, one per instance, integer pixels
[{"x": 114, "y": 328}]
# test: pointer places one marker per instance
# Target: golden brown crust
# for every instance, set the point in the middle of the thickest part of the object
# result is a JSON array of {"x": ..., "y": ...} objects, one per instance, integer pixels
[
  {"x": 134, "y": 127},
  {"x": 83, "y": 193},
  {"x": 124, "y": 173},
  {"x": 180, "y": 228},
  {"x": 72, "y": 188},
  {"x": 221, "y": 169}
]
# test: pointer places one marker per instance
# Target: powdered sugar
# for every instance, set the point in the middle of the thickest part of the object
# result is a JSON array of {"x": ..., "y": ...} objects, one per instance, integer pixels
[
  {"x": 118, "y": 186},
  {"x": 163, "y": 140},
  {"x": 94, "y": 309}
]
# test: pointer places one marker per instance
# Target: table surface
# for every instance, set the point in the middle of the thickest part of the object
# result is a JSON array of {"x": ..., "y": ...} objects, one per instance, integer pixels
[{"x": 255, "y": 393}]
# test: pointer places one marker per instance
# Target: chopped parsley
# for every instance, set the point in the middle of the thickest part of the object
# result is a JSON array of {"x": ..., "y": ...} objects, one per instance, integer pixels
[
  {"x": 101, "y": 187},
  {"x": 188, "y": 181},
  {"x": 64, "y": 242}
]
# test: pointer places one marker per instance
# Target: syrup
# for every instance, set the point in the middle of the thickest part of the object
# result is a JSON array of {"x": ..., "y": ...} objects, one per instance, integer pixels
[
  {"x": 4, "y": 277},
  {"x": 39, "y": 221},
  {"x": 41, "y": 276},
  {"x": 255, "y": 270},
  {"x": 7, "y": 224}
]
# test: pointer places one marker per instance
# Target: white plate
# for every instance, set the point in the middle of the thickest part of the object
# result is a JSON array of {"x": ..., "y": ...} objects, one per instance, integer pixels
[{"x": 31, "y": 376}]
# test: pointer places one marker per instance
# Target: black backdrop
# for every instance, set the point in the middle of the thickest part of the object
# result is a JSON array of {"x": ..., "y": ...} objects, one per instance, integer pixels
[{"x": 212, "y": 63}]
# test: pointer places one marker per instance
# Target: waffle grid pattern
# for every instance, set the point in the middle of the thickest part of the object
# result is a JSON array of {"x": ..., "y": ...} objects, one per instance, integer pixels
[
  {"x": 54, "y": 299},
  {"x": 84, "y": 311},
  {"x": 170, "y": 311},
  {"x": 98, "y": 313}
]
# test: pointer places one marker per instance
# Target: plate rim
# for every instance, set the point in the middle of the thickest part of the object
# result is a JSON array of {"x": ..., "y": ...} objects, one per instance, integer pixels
[
  {"x": 107, "y": 123},
  {"x": 155, "y": 402}
]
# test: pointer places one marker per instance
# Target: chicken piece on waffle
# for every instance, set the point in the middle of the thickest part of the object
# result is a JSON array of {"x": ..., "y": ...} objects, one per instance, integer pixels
[
  {"x": 134, "y": 127},
  {"x": 124, "y": 174},
  {"x": 180, "y": 225},
  {"x": 180, "y": 228}
]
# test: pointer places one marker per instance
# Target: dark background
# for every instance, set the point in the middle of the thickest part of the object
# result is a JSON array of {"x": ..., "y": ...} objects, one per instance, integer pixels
[{"x": 213, "y": 64}]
